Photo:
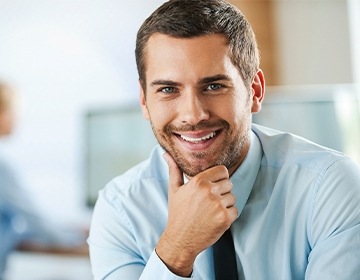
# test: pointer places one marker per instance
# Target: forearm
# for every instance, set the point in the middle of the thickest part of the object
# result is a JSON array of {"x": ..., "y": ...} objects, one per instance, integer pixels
[{"x": 177, "y": 257}]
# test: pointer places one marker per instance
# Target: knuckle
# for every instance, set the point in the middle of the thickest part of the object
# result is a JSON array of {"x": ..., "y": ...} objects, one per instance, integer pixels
[
  {"x": 223, "y": 215},
  {"x": 226, "y": 216},
  {"x": 214, "y": 189},
  {"x": 198, "y": 180},
  {"x": 203, "y": 184}
]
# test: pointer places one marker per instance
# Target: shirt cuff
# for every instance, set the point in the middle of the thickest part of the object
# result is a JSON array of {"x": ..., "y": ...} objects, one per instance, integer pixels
[{"x": 155, "y": 266}]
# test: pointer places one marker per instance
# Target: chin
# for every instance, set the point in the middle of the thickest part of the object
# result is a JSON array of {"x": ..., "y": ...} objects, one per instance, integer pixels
[{"x": 194, "y": 167}]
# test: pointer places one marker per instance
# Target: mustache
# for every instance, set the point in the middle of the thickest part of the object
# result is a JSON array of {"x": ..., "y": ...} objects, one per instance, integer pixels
[{"x": 200, "y": 126}]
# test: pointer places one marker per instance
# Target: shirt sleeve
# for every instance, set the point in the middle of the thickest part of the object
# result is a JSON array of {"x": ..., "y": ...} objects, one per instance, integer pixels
[
  {"x": 155, "y": 264},
  {"x": 114, "y": 252},
  {"x": 334, "y": 228}
]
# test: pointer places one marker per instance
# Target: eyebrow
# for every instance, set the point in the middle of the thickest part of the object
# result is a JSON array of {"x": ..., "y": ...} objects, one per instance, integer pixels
[
  {"x": 164, "y": 82},
  {"x": 205, "y": 80},
  {"x": 211, "y": 79}
]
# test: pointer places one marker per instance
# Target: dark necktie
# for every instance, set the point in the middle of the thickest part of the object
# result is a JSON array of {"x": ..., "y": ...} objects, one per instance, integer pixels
[{"x": 225, "y": 258}]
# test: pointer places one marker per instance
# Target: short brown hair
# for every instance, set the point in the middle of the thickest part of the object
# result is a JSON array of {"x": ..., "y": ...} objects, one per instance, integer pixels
[{"x": 191, "y": 18}]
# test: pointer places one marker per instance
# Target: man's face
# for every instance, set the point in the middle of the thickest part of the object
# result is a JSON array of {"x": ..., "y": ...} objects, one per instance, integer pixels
[{"x": 196, "y": 101}]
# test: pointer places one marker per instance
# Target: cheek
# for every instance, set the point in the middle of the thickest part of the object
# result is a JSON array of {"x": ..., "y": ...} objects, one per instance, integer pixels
[
  {"x": 160, "y": 114},
  {"x": 239, "y": 114},
  {"x": 230, "y": 111}
]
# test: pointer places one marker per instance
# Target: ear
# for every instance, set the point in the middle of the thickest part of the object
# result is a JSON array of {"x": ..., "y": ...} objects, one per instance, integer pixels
[
  {"x": 143, "y": 106},
  {"x": 258, "y": 91}
]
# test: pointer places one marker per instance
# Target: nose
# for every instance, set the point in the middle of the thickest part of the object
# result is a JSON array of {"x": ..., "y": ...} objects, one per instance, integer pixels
[{"x": 193, "y": 108}]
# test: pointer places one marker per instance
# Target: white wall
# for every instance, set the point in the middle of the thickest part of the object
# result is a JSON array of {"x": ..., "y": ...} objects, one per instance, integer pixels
[
  {"x": 64, "y": 57},
  {"x": 354, "y": 23},
  {"x": 313, "y": 41}
]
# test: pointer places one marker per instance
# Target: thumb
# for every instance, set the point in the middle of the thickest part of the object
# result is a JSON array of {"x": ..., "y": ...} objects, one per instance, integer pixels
[{"x": 176, "y": 178}]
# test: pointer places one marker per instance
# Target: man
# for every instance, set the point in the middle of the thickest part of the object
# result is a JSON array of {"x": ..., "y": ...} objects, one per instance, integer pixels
[
  {"x": 292, "y": 206},
  {"x": 21, "y": 223}
]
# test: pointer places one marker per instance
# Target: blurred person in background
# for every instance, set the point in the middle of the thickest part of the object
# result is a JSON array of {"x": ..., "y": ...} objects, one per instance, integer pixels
[{"x": 22, "y": 225}]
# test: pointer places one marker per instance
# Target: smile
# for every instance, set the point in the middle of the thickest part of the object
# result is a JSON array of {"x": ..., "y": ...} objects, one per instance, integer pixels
[{"x": 198, "y": 140}]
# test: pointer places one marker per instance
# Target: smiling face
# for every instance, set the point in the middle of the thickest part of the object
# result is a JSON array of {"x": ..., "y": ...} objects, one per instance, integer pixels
[{"x": 196, "y": 101}]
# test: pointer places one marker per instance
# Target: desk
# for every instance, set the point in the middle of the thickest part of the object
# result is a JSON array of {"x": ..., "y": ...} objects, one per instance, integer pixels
[{"x": 40, "y": 266}]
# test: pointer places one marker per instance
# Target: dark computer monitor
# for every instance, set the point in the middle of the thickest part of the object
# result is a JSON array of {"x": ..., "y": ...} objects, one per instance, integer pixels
[{"x": 115, "y": 140}]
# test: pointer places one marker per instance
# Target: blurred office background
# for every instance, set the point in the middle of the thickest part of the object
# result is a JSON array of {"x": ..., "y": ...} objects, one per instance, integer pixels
[{"x": 72, "y": 63}]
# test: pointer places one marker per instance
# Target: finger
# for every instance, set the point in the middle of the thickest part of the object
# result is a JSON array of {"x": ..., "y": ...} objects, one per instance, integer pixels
[
  {"x": 228, "y": 200},
  {"x": 176, "y": 178},
  {"x": 233, "y": 213},
  {"x": 222, "y": 187},
  {"x": 216, "y": 173}
]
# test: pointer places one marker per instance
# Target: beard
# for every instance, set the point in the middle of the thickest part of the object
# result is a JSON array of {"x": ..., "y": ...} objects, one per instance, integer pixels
[{"x": 228, "y": 155}]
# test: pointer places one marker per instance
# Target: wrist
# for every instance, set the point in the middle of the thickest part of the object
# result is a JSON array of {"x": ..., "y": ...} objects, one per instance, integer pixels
[{"x": 177, "y": 260}]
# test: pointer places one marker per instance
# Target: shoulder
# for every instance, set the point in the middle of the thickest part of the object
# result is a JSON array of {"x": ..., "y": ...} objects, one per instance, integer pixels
[
  {"x": 306, "y": 167},
  {"x": 327, "y": 180},
  {"x": 8, "y": 175},
  {"x": 283, "y": 149},
  {"x": 5, "y": 167}
]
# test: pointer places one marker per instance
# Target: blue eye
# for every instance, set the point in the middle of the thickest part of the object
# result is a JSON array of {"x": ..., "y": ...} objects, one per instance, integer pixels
[
  {"x": 213, "y": 87},
  {"x": 167, "y": 90}
]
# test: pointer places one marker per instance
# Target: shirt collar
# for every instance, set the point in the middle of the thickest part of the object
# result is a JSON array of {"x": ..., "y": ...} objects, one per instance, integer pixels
[{"x": 244, "y": 177}]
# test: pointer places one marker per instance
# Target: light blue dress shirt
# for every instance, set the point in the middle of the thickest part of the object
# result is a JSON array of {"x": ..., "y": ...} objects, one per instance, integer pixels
[{"x": 299, "y": 216}]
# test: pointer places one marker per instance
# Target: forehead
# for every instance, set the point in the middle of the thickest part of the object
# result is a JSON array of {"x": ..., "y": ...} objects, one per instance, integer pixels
[{"x": 202, "y": 55}]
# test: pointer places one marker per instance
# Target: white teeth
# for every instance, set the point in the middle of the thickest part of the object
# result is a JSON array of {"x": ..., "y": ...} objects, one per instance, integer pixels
[{"x": 197, "y": 140}]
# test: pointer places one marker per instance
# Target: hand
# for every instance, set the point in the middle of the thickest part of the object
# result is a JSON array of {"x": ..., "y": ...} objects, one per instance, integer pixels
[{"x": 200, "y": 211}]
